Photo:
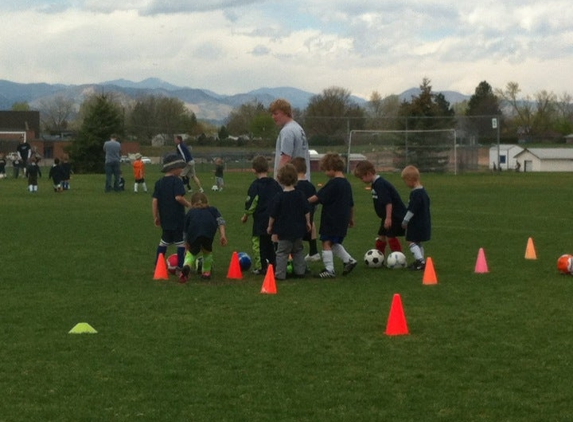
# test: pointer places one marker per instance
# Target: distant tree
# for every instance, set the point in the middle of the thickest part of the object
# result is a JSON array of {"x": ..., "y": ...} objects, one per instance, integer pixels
[
  {"x": 564, "y": 105},
  {"x": 55, "y": 113},
  {"x": 263, "y": 126},
  {"x": 383, "y": 112},
  {"x": 223, "y": 132},
  {"x": 331, "y": 115},
  {"x": 102, "y": 118},
  {"x": 21, "y": 106},
  {"x": 241, "y": 119}
]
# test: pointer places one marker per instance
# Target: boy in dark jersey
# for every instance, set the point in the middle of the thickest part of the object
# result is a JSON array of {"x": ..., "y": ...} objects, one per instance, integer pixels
[
  {"x": 260, "y": 194},
  {"x": 417, "y": 221},
  {"x": 168, "y": 206},
  {"x": 336, "y": 216},
  {"x": 387, "y": 204},
  {"x": 289, "y": 220}
]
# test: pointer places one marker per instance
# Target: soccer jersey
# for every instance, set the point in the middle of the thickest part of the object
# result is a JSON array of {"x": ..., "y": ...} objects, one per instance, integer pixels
[
  {"x": 384, "y": 193},
  {"x": 138, "y": 170},
  {"x": 171, "y": 212},
  {"x": 202, "y": 222},
  {"x": 288, "y": 209},
  {"x": 259, "y": 197},
  {"x": 308, "y": 189},
  {"x": 337, "y": 203},
  {"x": 420, "y": 226}
]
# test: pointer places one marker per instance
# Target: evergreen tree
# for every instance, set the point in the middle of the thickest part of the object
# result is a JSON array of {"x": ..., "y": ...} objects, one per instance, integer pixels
[{"x": 102, "y": 118}]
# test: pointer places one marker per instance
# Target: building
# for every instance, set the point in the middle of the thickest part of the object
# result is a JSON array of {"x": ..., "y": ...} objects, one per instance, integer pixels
[
  {"x": 546, "y": 159},
  {"x": 507, "y": 154}
]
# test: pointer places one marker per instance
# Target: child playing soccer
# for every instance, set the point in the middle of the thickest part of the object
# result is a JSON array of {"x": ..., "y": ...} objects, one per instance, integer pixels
[
  {"x": 56, "y": 175},
  {"x": 139, "y": 173},
  {"x": 336, "y": 216},
  {"x": 219, "y": 169},
  {"x": 417, "y": 221},
  {"x": 33, "y": 172},
  {"x": 168, "y": 206},
  {"x": 289, "y": 220},
  {"x": 304, "y": 185},
  {"x": 66, "y": 172},
  {"x": 387, "y": 204},
  {"x": 201, "y": 224},
  {"x": 260, "y": 194}
]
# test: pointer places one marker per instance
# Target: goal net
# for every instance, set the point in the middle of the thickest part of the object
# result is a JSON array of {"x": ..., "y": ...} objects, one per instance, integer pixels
[{"x": 392, "y": 150}]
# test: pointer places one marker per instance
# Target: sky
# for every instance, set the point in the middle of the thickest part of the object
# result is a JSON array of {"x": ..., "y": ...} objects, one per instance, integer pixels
[{"x": 235, "y": 46}]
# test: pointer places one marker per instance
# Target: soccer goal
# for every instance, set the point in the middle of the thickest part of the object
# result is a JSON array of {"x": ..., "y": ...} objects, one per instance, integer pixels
[{"x": 392, "y": 150}]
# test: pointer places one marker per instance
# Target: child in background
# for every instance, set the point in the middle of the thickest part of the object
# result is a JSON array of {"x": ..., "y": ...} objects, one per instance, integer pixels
[
  {"x": 2, "y": 165},
  {"x": 56, "y": 175},
  {"x": 201, "y": 224},
  {"x": 219, "y": 169},
  {"x": 168, "y": 206},
  {"x": 417, "y": 221},
  {"x": 66, "y": 172},
  {"x": 387, "y": 204},
  {"x": 336, "y": 216},
  {"x": 289, "y": 220},
  {"x": 33, "y": 172},
  {"x": 260, "y": 194},
  {"x": 304, "y": 185},
  {"x": 139, "y": 173}
]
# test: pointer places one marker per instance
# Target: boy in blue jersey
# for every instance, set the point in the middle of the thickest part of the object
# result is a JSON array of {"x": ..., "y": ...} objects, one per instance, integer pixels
[
  {"x": 260, "y": 194},
  {"x": 417, "y": 221},
  {"x": 201, "y": 224},
  {"x": 336, "y": 216},
  {"x": 387, "y": 204},
  {"x": 168, "y": 206},
  {"x": 289, "y": 220}
]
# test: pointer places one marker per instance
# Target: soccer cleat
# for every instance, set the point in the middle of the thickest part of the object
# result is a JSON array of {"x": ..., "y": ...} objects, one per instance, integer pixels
[
  {"x": 312, "y": 258},
  {"x": 206, "y": 276},
  {"x": 349, "y": 266},
  {"x": 417, "y": 265},
  {"x": 326, "y": 274},
  {"x": 184, "y": 275}
]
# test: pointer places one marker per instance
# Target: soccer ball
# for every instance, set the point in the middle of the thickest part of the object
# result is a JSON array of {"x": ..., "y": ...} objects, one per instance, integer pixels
[
  {"x": 244, "y": 261},
  {"x": 214, "y": 188},
  {"x": 565, "y": 264},
  {"x": 374, "y": 258},
  {"x": 396, "y": 260},
  {"x": 172, "y": 262}
]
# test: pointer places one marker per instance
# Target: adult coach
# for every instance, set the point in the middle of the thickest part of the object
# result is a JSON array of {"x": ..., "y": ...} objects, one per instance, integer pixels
[
  {"x": 24, "y": 151},
  {"x": 189, "y": 170},
  {"x": 291, "y": 141},
  {"x": 112, "y": 149}
]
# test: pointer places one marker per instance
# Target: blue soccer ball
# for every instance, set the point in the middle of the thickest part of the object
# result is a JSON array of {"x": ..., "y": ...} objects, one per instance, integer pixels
[{"x": 244, "y": 261}]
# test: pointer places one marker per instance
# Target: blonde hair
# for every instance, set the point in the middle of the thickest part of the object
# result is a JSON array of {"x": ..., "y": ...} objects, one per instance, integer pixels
[
  {"x": 282, "y": 105},
  {"x": 410, "y": 173}
]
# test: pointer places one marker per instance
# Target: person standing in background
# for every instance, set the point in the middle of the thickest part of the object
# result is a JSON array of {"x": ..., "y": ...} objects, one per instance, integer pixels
[{"x": 112, "y": 150}]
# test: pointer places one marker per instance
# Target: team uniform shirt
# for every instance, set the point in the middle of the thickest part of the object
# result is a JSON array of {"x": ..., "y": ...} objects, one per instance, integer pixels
[
  {"x": 308, "y": 189},
  {"x": 56, "y": 174},
  {"x": 33, "y": 172},
  {"x": 138, "y": 171},
  {"x": 171, "y": 212},
  {"x": 260, "y": 194},
  {"x": 384, "y": 193},
  {"x": 292, "y": 142},
  {"x": 288, "y": 209},
  {"x": 202, "y": 223},
  {"x": 337, "y": 202},
  {"x": 420, "y": 225},
  {"x": 66, "y": 170}
]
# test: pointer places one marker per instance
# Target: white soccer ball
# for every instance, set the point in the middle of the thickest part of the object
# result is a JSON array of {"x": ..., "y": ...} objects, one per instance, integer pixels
[
  {"x": 396, "y": 260},
  {"x": 214, "y": 188},
  {"x": 374, "y": 258}
]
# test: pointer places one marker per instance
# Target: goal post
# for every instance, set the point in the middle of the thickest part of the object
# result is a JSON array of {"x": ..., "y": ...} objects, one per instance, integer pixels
[{"x": 432, "y": 150}]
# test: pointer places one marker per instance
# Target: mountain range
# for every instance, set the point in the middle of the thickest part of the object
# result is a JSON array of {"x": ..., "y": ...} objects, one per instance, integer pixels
[{"x": 207, "y": 105}]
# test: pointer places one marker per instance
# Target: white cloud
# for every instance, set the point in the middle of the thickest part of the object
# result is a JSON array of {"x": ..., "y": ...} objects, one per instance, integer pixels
[{"x": 234, "y": 46}]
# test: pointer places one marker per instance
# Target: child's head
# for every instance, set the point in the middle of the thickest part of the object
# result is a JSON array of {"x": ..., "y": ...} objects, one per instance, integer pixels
[
  {"x": 332, "y": 162},
  {"x": 411, "y": 176},
  {"x": 173, "y": 164},
  {"x": 138, "y": 156},
  {"x": 260, "y": 164},
  {"x": 365, "y": 170},
  {"x": 199, "y": 200},
  {"x": 56, "y": 161},
  {"x": 218, "y": 161},
  {"x": 299, "y": 164},
  {"x": 287, "y": 175}
]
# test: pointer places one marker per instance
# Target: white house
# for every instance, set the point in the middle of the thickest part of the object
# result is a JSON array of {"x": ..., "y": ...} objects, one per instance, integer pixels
[
  {"x": 546, "y": 159},
  {"x": 507, "y": 153}
]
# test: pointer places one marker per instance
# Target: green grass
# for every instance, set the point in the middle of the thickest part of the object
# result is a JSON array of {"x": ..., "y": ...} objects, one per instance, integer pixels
[{"x": 482, "y": 347}]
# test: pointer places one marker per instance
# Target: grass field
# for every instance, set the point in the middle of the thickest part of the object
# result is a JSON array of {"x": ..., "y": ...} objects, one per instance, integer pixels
[{"x": 482, "y": 347}]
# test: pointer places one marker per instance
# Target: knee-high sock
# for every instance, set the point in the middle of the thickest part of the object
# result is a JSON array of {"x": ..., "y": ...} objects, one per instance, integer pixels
[
  {"x": 160, "y": 250},
  {"x": 381, "y": 245},
  {"x": 207, "y": 262},
  {"x": 416, "y": 251},
  {"x": 341, "y": 253},
  {"x": 395, "y": 245},
  {"x": 180, "y": 256},
  {"x": 328, "y": 260}
]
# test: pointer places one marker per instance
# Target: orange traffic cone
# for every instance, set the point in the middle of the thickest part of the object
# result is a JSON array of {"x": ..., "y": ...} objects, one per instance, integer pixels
[
  {"x": 269, "y": 284},
  {"x": 396, "y": 325},
  {"x": 429, "y": 273},
  {"x": 235, "y": 268},
  {"x": 161, "y": 268},
  {"x": 530, "y": 250},
  {"x": 481, "y": 264}
]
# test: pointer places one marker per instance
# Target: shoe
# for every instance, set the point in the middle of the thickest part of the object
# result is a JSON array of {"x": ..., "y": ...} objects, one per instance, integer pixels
[
  {"x": 326, "y": 274},
  {"x": 259, "y": 271},
  {"x": 312, "y": 258},
  {"x": 184, "y": 274},
  {"x": 417, "y": 265},
  {"x": 206, "y": 276},
  {"x": 349, "y": 266}
]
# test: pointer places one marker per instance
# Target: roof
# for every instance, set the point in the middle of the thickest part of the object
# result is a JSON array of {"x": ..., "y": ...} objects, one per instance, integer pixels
[
  {"x": 505, "y": 147},
  {"x": 550, "y": 153}
]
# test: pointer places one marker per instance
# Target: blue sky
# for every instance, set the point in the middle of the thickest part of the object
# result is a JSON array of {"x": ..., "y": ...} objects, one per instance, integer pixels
[{"x": 236, "y": 46}]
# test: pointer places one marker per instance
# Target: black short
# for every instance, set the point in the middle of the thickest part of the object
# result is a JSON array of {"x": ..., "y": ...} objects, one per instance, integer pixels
[
  {"x": 172, "y": 237},
  {"x": 199, "y": 244}
]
